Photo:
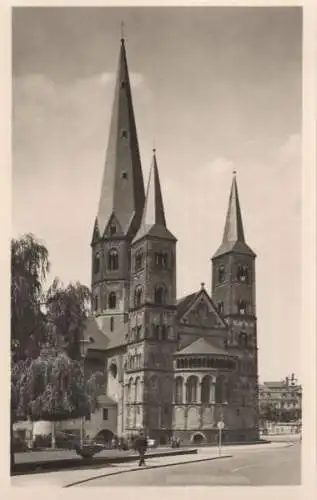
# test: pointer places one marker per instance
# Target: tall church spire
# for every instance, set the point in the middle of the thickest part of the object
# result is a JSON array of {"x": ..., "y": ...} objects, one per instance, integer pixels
[
  {"x": 233, "y": 236},
  {"x": 153, "y": 219},
  {"x": 122, "y": 191}
]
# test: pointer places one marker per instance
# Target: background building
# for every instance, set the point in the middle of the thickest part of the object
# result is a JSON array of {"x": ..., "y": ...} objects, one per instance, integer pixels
[{"x": 280, "y": 405}]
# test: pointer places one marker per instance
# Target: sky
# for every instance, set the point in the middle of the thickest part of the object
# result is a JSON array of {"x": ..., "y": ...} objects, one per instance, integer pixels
[{"x": 215, "y": 89}]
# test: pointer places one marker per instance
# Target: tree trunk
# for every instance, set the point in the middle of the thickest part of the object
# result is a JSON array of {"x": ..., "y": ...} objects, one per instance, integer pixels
[
  {"x": 82, "y": 431},
  {"x": 53, "y": 435},
  {"x": 11, "y": 448}
]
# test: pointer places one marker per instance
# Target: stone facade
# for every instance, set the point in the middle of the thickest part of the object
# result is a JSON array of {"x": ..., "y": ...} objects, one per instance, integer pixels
[{"x": 172, "y": 367}]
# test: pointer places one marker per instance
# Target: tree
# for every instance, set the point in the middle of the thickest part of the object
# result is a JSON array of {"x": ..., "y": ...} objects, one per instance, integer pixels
[
  {"x": 52, "y": 387},
  {"x": 67, "y": 309},
  {"x": 29, "y": 268}
]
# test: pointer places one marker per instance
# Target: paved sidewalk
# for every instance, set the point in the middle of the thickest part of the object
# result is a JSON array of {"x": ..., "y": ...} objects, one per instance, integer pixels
[{"x": 66, "y": 478}]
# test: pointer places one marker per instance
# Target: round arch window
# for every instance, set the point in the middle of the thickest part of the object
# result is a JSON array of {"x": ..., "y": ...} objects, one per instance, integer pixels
[{"x": 113, "y": 370}]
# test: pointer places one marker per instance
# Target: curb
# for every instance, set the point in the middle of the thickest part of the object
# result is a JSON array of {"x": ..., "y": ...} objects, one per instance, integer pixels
[
  {"x": 117, "y": 473},
  {"x": 77, "y": 462}
]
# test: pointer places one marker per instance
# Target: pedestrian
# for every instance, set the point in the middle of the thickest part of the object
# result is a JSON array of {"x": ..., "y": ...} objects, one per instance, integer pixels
[{"x": 141, "y": 447}]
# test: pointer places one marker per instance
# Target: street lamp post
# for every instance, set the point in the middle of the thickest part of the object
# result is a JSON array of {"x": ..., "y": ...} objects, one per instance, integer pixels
[{"x": 83, "y": 418}]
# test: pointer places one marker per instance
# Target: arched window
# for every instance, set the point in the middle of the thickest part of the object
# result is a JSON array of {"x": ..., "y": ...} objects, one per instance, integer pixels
[
  {"x": 179, "y": 390},
  {"x": 137, "y": 390},
  {"x": 160, "y": 295},
  {"x": 129, "y": 390},
  {"x": 242, "y": 273},
  {"x": 205, "y": 390},
  {"x": 137, "y": 296},
  {"x": 113, "y": 260},
  {"x": 96, "y": 265},
  {"x": 191, "y": 395},
  {"x": 154, "y": 387},
  {"x": 111, "y": 324},
  {"x": 138, "y": 260},
  {"x": 96, "y": 303},
  {"x": 219, "y": 390},
  {"x": 242, "y": 307},
  {"x": 221, "y": 273},
  {"x": 220, "y": 307},
  {"x": 243, "y": 339},
  {"x": 163, "y": 332},
  {"x": 113, "y": 228},
  {"x": 112, "y": 300},
  {"x": 156, "y": 331}
]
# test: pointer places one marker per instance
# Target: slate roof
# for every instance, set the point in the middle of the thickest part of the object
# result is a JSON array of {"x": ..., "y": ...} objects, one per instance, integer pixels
[
  {"x": 153, "y": 221},
  {"x": 122, "y": 190},
  {"x": 233, "y": 236},
  {"x": 203, "y": 346},
  {"x": 105, "y": 400},
  {"x": 102, "y": 338},
  {"x": 183, "y": 303}
]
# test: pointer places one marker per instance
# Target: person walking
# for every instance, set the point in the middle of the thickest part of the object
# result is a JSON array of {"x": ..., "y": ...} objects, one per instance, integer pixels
[{"x": 141, "y": 447}]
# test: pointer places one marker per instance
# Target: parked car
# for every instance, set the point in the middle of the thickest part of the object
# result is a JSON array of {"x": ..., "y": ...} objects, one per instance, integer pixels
[
  {"x": 63, "y": 441},
  {"x": 18, "y": 444},
  {"x": 88, "y": 449},
  {"x": 151, "y": 443}
]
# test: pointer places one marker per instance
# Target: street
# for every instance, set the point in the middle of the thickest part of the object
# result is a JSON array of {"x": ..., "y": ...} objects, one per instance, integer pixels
[{"x": 266, "y": 466}]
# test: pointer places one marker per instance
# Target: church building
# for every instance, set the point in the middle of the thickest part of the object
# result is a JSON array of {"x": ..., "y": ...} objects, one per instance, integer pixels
[{"x": 174, "y": 366}]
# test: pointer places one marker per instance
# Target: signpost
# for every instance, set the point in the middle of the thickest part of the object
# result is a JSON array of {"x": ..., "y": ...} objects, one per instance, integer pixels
[{"x": 220, "y": 426}]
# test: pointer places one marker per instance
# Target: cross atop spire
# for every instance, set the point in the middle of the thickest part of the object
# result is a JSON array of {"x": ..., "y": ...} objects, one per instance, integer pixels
[
  {"x": 122, "y": 31},
  {"x": 153, "y": 218},
  {"x": 233, "y": 236},
  {"x": 122, "y": 191}
]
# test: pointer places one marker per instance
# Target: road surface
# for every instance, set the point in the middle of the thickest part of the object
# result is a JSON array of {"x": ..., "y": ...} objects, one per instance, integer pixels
[{"x": 273, "y": 466}]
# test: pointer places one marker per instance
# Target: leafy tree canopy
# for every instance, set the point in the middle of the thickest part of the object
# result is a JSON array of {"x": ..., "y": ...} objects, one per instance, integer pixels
[
  {"x": 29, "y": 269},
  {"x": 67, "y": 309},
  {"x": 52, "y": 387}
]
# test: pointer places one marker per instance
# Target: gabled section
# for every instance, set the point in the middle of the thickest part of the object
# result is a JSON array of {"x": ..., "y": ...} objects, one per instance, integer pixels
[
  {"x": 153, "y": 218},
  {"x": 233, "y": 236},
  {"x": 113, "y": 228},
  {"x": 122, "y": 191},
  {"x": 199, "y": 311}
]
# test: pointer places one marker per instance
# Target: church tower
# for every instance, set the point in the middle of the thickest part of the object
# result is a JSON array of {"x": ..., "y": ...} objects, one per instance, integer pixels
[
  {"x": 119, "y": 211},
  {"x": 152, "y": 334},
  {"x": 233, "y": 291}
]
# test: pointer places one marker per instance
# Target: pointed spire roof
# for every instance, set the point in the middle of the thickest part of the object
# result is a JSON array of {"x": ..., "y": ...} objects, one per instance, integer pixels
[
  {"x": 233, "y": 236},
  {"x": 153, "y": 218},
  {"x": 122, "y": 191}
]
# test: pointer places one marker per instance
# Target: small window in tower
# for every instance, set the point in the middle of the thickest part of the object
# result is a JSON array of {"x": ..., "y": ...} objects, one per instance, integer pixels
[
  {"x": 220, "y": 307},
  {"x": 242, "y": 307},
  {"x": 96, "y": 302},
  {"x": 138, "y": 296},
  {"x": 164, "y": 332},
  {"x": 122, "y": 84},
  {"x": 221, "y": 274},
  {"x": 242, "y": 273},
  {"x": 113, "y": 260},
  {"x": 160, "y": 295},
  {"x": 96, "y": 263},
  {"x": 138, "y": 261},
  {"x": 112, "y": 301},
  {"x": 113, "y": 228},
  {"x": 124, "y": 175},
  {"x": 156, "y": 332},
  {"x": 111, "y": 323},
  {"x": 124, "y": 134},
  {"x": 105, "y": 413}
]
